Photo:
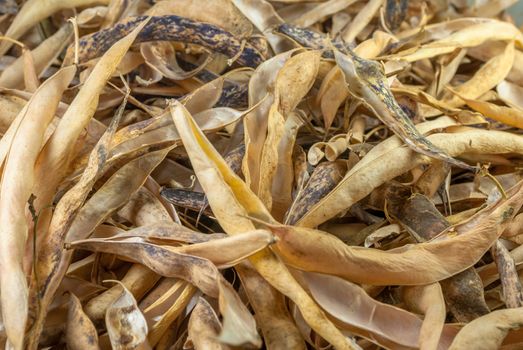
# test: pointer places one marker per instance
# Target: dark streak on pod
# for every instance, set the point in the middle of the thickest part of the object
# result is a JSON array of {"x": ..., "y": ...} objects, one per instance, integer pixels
[
  {"x": 234, "y": 158},
  {"x": 325, "y": 177},
  {"x": 197, "y": 200},
  {"x": 234, "y": 96},
  {"x": 185, "y": 198},
  {"x": 170, "y": 28},
  {"x": 8, "y": 7},
  {"x": 309, "y": 38},
  {"x": 395, "y": 13}
]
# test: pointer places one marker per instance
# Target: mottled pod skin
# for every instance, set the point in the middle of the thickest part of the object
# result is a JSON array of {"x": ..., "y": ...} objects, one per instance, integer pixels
[
  {"x": 170, "y": 28},
  {"x": 368, "y": 83},
  {"x": 309, "y": 38},
  {"x": 395, "y": 13}
]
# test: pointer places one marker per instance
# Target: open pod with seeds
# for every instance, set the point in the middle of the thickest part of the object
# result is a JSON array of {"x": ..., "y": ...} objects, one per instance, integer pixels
[{"x": 261, "y": 174}]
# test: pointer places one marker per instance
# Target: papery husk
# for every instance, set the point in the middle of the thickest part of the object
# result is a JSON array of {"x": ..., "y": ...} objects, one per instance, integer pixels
[
  {"x": 367, "y": 82},
  {"x": 27, "y": 141},
  {"x": 126, "y": 324},
  {"x": 386, "y": 162},
  {"x": 493, "y": 328},
  {"x": 204, "y": 327},
  {"x": 382, "y": 324},
  {"x": 56, "y": 155},
  {"x": 211, "y": 170},
  {"x": 80, "y": 331},
  {"x": 426, "y": 263},
  {"x": 34, "y": 11},
  {"x": 43, "y": 56}
]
